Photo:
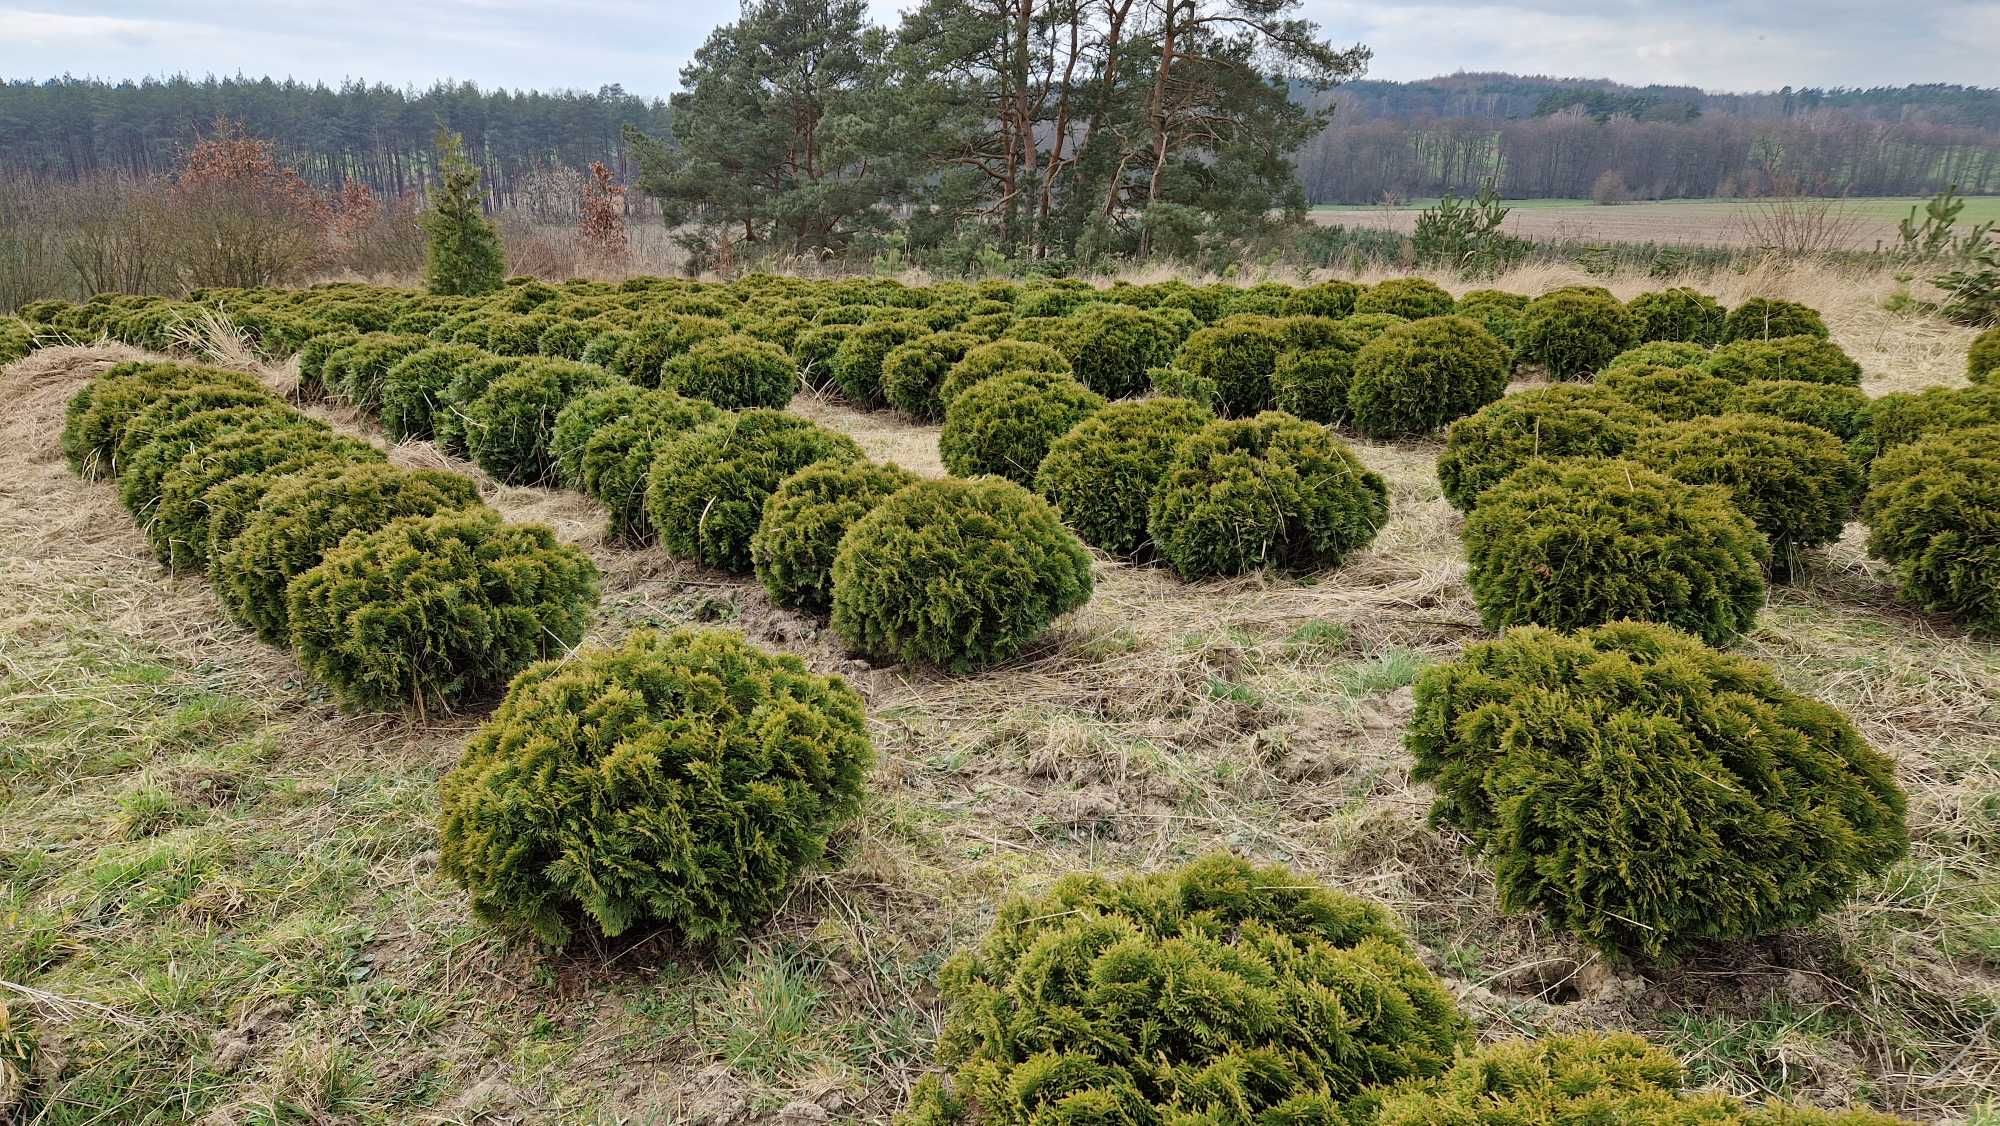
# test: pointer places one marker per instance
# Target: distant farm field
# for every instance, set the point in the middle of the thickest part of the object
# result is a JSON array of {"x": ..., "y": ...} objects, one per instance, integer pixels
[{"x": 1718, "y": 222}]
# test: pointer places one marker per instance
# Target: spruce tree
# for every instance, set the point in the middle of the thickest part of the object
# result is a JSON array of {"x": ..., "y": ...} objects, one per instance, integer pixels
[{"x": 462, "y": 254}]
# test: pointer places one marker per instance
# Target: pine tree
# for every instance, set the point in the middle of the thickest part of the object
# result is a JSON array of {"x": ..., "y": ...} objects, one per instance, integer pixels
[{"x": 462, "y": 256}]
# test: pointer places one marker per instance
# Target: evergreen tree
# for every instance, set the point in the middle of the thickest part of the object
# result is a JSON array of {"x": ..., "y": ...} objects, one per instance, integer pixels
[{"x": 462, "y": 253}]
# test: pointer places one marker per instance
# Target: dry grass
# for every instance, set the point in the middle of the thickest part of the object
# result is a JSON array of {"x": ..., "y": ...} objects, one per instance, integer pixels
[
  {"x": 1810, "y": 223},
  {"x": 229, "y": 907}
]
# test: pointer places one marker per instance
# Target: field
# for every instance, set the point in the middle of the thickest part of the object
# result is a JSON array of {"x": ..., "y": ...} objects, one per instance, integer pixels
[
  {"x": 225, "y": 891},
  {"x": 1697, "y": 221}
]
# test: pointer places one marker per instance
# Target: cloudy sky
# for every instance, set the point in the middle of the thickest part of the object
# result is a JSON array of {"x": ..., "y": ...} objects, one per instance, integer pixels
[{"x": 1716, "y": 44}]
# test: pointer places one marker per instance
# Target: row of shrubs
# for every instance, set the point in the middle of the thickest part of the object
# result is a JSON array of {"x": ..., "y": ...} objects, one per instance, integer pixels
[{"x": 396, "y": 587}]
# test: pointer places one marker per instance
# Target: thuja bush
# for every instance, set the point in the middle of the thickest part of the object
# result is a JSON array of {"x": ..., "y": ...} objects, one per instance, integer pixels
[
  {"x": 733, "y": 372},
  {"x": 814, "y": 348},
  {"x": 1840, "y": 411},
  {"x": 1497, "y": 311},
  {"x": 312, "y": 357},
  {"x": 1322, "y": 299},
  {"x": 1900, "y": 418},
  {"x": 1271, "y": 491},
  {"x": 302, "y": 517},
  {"x": 648, "y": 346},
  {"x": 603, "y": 348},
  {"x": 581, "y": 418},
  {"x": 913, "y": 372},
  {"x": 1110, "y": 347},
  {"x": 1409, "y": 298},
  {"x": 1795, "y": 482},
  {"x": 1806, "y": 358},
  {"x": 1585, "y": 1077},
  {"x": 1223, "y": 992},
  {"x": 1362, "y": 329},
  {"x": 1660, "y": 354},
  {"x": 98, "y": 415},
  {"x": 1312, "y": 383},
  {"x": 804, "y": 522},
  {"x": 706, "y": 490},
  {"x": 856, "y": 365},
  {"x": 985, "y": 361},
  {"x": 956, "y": 573},
  {"x": 1422, "y": 375},
  {"x": 1673, "y": 394},
  {"x": 1765, "y": 318},
  {"x": 433, "y": 611},
  {"x": 1005, "y": 425},
  {"x": 1236, "y": 359},
  {"x": 1583, "y": 541},
  {"x": 415, "y": 385},
  {"x": 508, "y": 428},
  {"x": 1645, "y": 792},
  {"x": 143, "y": 469},
  {"x": 17, "y": 339},
  {"x": 177, "y": 528},
  {"x": 1982, "y": 360},
  {"x": 1930, "y": 511},
  {"x": 1571, "y": 334},
  {"x": 1678, "y": 314},
  {"x": 355, "y": 373},
  {"x": 618, "y": 456},
  {"x": 685, "y": 780},
  {"x": 1558, "y": 421},
  {"x": 1100, "y": 476}
]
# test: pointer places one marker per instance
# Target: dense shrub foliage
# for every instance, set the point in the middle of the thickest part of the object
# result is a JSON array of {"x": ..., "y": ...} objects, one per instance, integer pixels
[
  {"x": 509, "y": 427},
  {"x": 1562, "y": 420},
  {"x": 415, "y": 385},
  {"x": 1322, "y": 299},
  {"x": 804, "y": 522},
  {"x": 1673, "y": 394},
  {"x": 1766, "y": 318},
  {"x": 706, "y": 490},
  {"x": 1583, "y": 541},
  {"x": 97, "y": 416},
  {"x": 1678, "y": 314},
  {"x": 1659, "y": 354},
  {"x": 1361, "y": 329},
  {"x": 1101, "y": 475},
  {"x": 1497, "y": 311},
  {"x": 1417, "y": 377},
  {"x": 733, "y": 372},
  {"x": 357, "y": 372},
  {"x": 1644, "y": 791},
  {"x": 644, "y": 350},
  {"x": 1236, "y": 359},
  {"x": 453, "y": 416},
  {"x": 912, "y": 373},
  {"x": 988, "y": 360},
  {"x": 1806, "y": 358},
  {"x": 177, "y": 527},
  {"x": 685, "y": 780},
  {"x": 1312, "y": 383},
  {"x": 1900, "y": 418},
  {"x": 1005, "y": 425},
  {"x": 1931, "y": 510},
  {"x": 143, "y": 470},
  {"x": 1221, "y": 992},
  {"x": 618, "y": 456},
  {"x": 433, "y": 611},
  {"x": 1409, "y": 298},
  {"x": 1841, "y": 411},
  {"x": 582, "y": 418},
  {"x": 856, "y": 364},
  {"x": 956, "y": 573},
  {"x": 1982, "y": 360},
  {"x": 1271, "y": 491},
  {"x": 1111, "y": 347},
  {"x": 17, "y": 339},
  {"x": 1572, "y": 333}
]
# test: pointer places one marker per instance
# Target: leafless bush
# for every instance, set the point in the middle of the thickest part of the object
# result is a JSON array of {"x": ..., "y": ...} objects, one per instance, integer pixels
[
  {"x": 550, "y": 192},
  {"x": 1795, "y": 225}
]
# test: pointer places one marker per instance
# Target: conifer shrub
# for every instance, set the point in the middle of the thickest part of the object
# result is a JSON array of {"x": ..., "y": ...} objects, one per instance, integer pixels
[
  {"x": 733, "y": 372},
  {"x": 856, "y": 365},
  {"x": 1306, "y": 333},
  {"x": 1100, "y": 477},
  {"x": 581, "y": 418},
  {"x": 618, "y": 456},
  {"x": 1674, "y": 394},
  {"x": 1805, "y": 358},
  {"x": 144, "y": 465},
  {"x": 706, "y": 490},
  {"x": 452, "y": 417},
  {"x": 685, "y": 780},
  {"x": 1417, "y": 377},
  {"x": 1645, "y": 792},
  {"x": 434, "y": 611},
  {"x": 1412, "y": 299},
  {"x": 604, "y": 347},
  {"x": 1322, "y": 299},
  {"x": 1902, "y": 417},
  {"x": 1237, "y": 359},
  {"x": 647, "y": 347},
  {"x": 1362, "y": 329},
  {"x": 1930, "y": 510},
  {"x": 462, "y": 251},
  {"x": 912, "y": 373},
  {"x": 356, "y": 372},
  {"x": 177, "y": 527},
  {"x": 415, "y": 385},
  {"x": 1795, "y": 482},
  {"x": 1840, "y": 411},
  {"x": 987, "y": 360},
  {"x": 1272, "y": 491},
  {"x": 1110, "y": 347},
  {"x": 1571, "y": 334},
  {"x": 313, "y": 355},
  {"x": 1982, "y": 360},
  {"x": 303, "y": 516},
  {"x": 814, "y": 348},
  {"x": 1583, "y": 541},
  {"x": 1765, "y": 318},
  {"x": 1678, "y": 314},
  {"x": 804, "y": 522},
  {"x": 566, "y": 339},
  {"x": 1497, "y": 311},
  {"x": 1005, "y": 425},
  {"x": 98, "y": 415},
  {"x": 517, "y": 335},
  {"x": 509, "y": 427},
  {"x": 1659, "y": 354},
  {"x": 1220, "y": 992},
  {"x": 1558, "y": 421},
  {"x": 17, "y": 339},
  {"x": 956, "y": 573},
  {"x": 1312, "y": 383},
  {"x": 1265, "y": 299}
]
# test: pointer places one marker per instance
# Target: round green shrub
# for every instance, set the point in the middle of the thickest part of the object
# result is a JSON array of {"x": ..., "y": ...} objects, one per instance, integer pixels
[
  {"x": 646, "y": 349},
  {"x": 1313, "y": 383},
  {"x": 1673, "y": 394},
  {"x": 814, "y": 348},
  {"x": 1572, "y": 334},
  {"x": 1806, "y": 358},
  {"x": 1982, "y": 360},
  {"x": 1412, "y": 299},
  {"x": 144, "y": 463},
  {"x": 1644, "y": 791},
  {"x": 706, "y": 490},
  {"x": 1902, "y": 417},
  {"x": 913, "y": 372},
  {"x": 98, "y": 416},
  {"x": 604, "y": 347},
  {"x": 618, "y": 455},
  {"x": 1362, "y": 329},
  {"x": 451, "y": 416},
  {"x": 1765, "y": 318},
  {"x": 356, "y": 372},
  {"x": 433, "y": 611},
  {"x": 1417, "y": 377},
  {"x": 1271, "y": 491},
  {"x": 1659, "y": 354},
  {"x": 956, "y": 573},
  {"x": 1110, "y": 347},
  {"x": 178, "y": 526},
  {"x": 1265, "y": 299},
  {"x": 415, "y": 385},
  {"x": 1305, "y": 333},
  {"x": 1930, "y": 510},
  {"x": 1222, "y": 992},
  {"x": 1004, "y": 425},
  {"x": 581, "y": 419},
  {"x": 985, "y": 361},
  {"x": 1237, "y": 359},
  {"x": 313, "y": 356},
  {"x": 856, "y": 365},
  {"x": 1840, "y": 411},
  {"x": 1100, "y": 476},
  {"x": 1583, "y": 541},
  {"x": 804, "y": 521},
  {"x": 303, "y": 516},
  {"x": 733, "y": 372},
  {"x": 1678, "y": 314},
  {"x": 1322, "y": 299},
  {"x": 565, "y": 339},
  {"x": 1558, "y": 421},
  {"x": 686, "y": 780},
  {"x": 1795, "y": 482},
  {"x": 17, "y": 339},
  {"x": 1497, "y": 311},
  {"x": 509, "y": 427}
]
